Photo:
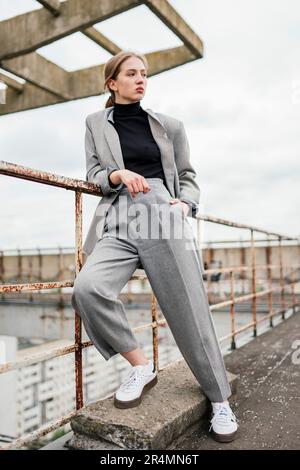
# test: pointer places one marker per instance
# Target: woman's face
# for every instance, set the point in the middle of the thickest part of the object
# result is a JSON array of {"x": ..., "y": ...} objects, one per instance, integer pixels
[{"x": 132, "y": 76}]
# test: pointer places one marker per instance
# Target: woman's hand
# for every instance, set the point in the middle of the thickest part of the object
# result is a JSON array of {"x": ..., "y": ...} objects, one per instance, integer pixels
[
  {"x": 134, "y": 182},
  {"x": 184, "y": 205}
]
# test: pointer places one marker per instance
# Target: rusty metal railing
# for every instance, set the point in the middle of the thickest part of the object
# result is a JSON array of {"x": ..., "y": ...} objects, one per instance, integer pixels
[{"x": 80, "y": 187}]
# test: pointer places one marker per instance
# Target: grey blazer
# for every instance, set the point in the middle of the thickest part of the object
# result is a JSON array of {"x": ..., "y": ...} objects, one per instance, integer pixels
[{"x": 103, "y": 154}]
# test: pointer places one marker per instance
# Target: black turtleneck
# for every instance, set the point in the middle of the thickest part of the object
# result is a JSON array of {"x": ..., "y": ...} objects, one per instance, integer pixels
[{"x": 140, "y": 151}]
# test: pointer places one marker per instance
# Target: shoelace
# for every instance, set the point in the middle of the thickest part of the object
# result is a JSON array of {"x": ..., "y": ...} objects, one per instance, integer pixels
[
  {"x": 131, "y": 380},
  {"x": 221, "y": 414}
]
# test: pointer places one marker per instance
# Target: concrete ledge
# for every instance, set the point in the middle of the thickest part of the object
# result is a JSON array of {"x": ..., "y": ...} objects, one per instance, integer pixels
[{"x": 166, "y": 412}]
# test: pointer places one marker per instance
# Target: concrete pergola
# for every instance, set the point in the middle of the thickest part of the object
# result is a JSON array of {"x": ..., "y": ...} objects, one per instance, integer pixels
[{"x": 45, "y": 82}]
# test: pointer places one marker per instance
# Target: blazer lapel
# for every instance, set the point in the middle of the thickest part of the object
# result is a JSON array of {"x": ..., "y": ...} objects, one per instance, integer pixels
[
  {"x": 166, "y": 148},
  {"x": 113, "y": 140},
  {"x": 159, "y": 133}
]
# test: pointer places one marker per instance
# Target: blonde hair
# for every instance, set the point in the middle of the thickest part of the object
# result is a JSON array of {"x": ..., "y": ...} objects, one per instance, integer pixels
[{"x": 112, "y": 69}]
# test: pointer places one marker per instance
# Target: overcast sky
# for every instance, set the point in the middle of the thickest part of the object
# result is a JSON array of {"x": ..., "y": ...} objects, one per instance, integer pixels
[{"x": 240, "y": 105}]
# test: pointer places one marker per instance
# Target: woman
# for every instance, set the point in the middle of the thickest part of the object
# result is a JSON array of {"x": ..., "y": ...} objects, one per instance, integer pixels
[{"x": 140, "y": 160}]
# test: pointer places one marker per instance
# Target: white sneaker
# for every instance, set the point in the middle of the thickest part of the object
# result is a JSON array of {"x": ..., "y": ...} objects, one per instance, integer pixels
[
  {"x": 223, "y": 422},
  {"x": 140, "y": 379}
]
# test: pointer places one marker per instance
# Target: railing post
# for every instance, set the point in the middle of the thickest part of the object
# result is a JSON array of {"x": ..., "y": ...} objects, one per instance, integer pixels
[
  {"x": 282, "y": 300},
  {"x": 2, "y": 271},
  {"x": 293, "y": 293},
  {"x": 129, "y": 291},
  {"x": 40, "y": 267},
  {"x": 232, "y": 310},
  {"x": 199, "y": 241},
  {"x": 30, "y": 276},
  {"x": 20, "y": 266},
  {"x": 208, "y": 277},
  {"x": 78, "y": 326},
  {"x": 270, "y": 283},
  {"x": 154, "y": 331},
  {"x": 253, "y": 262},
  {"x": 60, "y": 261},
  {"x": 243, "y": 263}
]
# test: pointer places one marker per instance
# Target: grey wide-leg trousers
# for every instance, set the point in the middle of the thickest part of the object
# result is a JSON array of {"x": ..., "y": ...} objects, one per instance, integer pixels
[{"x": 147, "y": 232}]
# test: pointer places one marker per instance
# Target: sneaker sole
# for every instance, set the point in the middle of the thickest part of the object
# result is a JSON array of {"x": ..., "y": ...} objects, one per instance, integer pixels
[
  {"x": 136, "y": 401},
  {"x": 224, "y": 437}
]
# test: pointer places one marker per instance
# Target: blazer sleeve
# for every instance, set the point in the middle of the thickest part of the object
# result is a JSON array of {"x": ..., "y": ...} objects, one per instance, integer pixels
[
  {"x": 189, "y": 189},
  {"x": 95, "y": 172}
]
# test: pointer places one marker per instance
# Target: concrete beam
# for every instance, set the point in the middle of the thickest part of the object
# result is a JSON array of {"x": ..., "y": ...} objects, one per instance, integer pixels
[
  {"x": 167, "y": 59},
  {"x": 32, "y": 97},
  {"x": 99, "y": 38},
  {"x": 52, "y": 5},
  {"x": 41, "y": 72},
  {"x": 26, "y": 33},
  {"x": 169, "y": 16},
  {"x": 87, "y": 82},
  {"x": 11, "y": 82},
  {"x": 46, "y": 82}
]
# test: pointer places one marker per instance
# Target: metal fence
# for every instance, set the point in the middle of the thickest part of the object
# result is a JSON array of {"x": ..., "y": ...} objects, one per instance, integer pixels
[{"x": 81, "y": 187}]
